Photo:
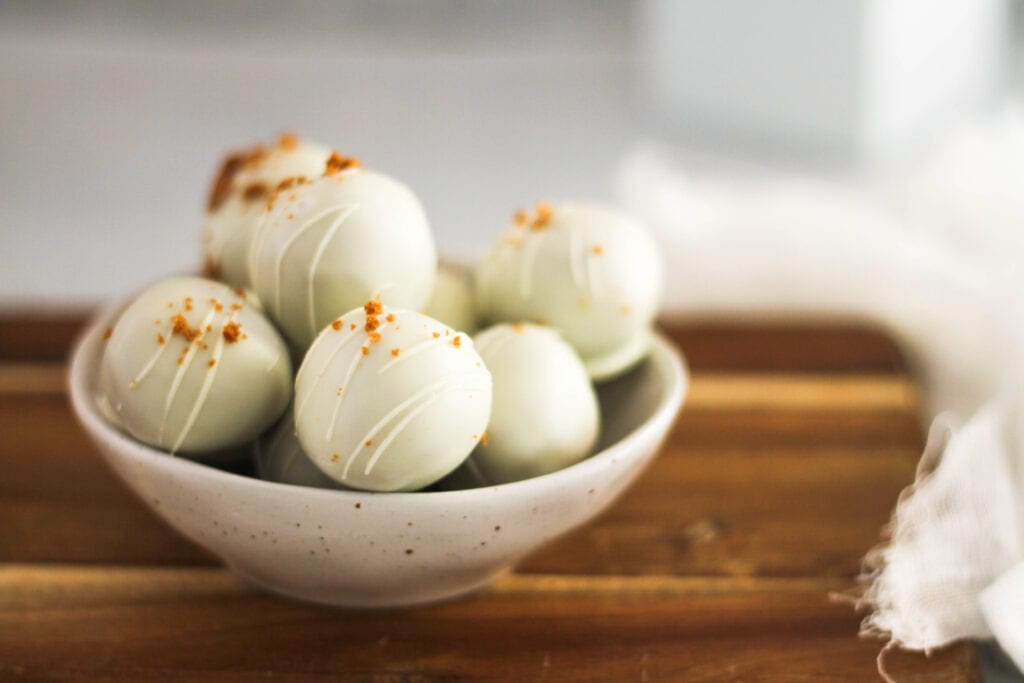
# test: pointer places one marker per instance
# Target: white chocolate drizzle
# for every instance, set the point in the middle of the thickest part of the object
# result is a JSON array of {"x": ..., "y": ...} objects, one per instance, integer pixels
[
  {"x": 279, "y": 263},
  {"x": 357, "y": 358},
  {"x": 180, "y": 374},
  {"x": 426, "y": 391},
  {"x": 323, "y": 369},
  {"x": 343, "y": 389},
  {"x": 409, "y": 417},
  {"x": 526, "y": 265},
  {"x": 149, "y": 366},
  {"x": 204, "y": 390},
  {"x": 318, "y": 254},
  {"x": 412, "y": 351}
]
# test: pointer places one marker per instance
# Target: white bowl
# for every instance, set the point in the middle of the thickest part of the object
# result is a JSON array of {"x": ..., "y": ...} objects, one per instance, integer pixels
[{"x": 387, "y": 549}]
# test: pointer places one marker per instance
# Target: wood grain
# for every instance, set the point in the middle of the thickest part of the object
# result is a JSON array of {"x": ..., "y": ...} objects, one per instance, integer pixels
[
  {"x": 716, "y": 566},
  {"x": 118, "y": 624}
]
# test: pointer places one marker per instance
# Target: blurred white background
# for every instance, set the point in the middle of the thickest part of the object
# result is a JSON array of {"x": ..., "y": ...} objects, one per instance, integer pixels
[{"x": 115, "y": 113}]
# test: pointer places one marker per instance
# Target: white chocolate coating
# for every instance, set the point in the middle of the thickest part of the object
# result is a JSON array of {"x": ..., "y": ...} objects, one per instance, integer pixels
[
  {"x": 592, "y": 272},
  {"x": 328, "y": 246},
  {"x": 227, "y": 237},
  {"x": 545, "y": 414},
  {"x": 452, "y": 300},
  {"x": 395, "y": 414},
  {"x": 190, "y": 367},
  {"x": 279, "y": 457}
]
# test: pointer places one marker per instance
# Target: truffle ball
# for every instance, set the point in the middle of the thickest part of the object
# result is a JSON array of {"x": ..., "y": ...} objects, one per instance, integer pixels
[
  {"x": 452, "y": 299},
  {"x": 190, "y": 367},
  {"x": 390, "y": 400},
  {"x": 589, "y": 271},
  {"x": 239, "y": 197},
  {"x": 545, "y": 413},
  {"x": 328, "y": 245},
  {"x": 279, "y": 457}
]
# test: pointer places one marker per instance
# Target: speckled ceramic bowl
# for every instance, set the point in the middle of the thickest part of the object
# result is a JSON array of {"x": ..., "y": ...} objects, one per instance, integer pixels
[{"x": 387, "y": 549}]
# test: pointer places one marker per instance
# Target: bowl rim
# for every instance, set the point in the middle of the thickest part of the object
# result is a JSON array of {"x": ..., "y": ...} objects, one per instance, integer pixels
[{"x": 85, "y": 357}]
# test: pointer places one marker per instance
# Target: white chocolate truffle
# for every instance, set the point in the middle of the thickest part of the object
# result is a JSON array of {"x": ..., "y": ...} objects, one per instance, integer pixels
[
  {"x": 452, "y": 300},
  {"x": 589, "y": 271},
  {"x": 327, "y": 246},
  {"x": 279, "y": 457},
  {"x": 190, "y": 367},
  {"x": 544, "y": 416},
  {"x": 239, "y": 198},
  {"x": 390, "y": 400}
]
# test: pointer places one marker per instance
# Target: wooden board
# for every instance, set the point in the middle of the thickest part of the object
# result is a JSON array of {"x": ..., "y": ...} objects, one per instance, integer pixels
[{"x": 717, "y": 565}]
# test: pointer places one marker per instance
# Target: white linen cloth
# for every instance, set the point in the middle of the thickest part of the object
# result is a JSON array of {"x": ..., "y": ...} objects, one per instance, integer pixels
[{"x": 952, "y": 566}]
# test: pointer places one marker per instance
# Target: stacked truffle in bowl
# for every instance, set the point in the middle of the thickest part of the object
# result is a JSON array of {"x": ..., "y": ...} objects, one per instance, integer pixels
[{"x": 326, "y": 326}]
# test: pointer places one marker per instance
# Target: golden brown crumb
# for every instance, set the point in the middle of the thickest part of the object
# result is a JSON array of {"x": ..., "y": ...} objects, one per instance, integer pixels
[
  {"x": 286, "y": 184},
  {"x": 211, "y": 362},
  {"x": 520, "y": 217},
  {"x": 483, "y": 438},
  {"x": 239, "y": 292},
  {"x": 597, "y": 250},
  {"x": 366, "y": 351},
  {"x": 353, "y": 326},
  {"x": 217, "y": 306},
  {"x": 179, "y": 325},
  {"x": 543, "y": 213},
  {"x": 518, "y": 327},
  {"x": 108, "y": 333},
  {"x": 335, "y": 457},
  {"x": 395, "y": 352},
  {"x": 188, "y": 303},
  {"x": 291, "y": 216},
  {"x": 336, "y": 324},
  {"x": 373, "y": 307},
  {"x": 254, "y": 191},
  {"x": 457, "y": 342},
  {"x": 236, "y": 307},
  {"x": 287, "y": 141},
  {"x": 337, "y": 163},
  {"x": 369, "y": 442},
  {"x": 437, "y": 335},
  {"x": 372, "y": 323},
  {"x": 390, "y": 317},
  {"x": 374, "y": 337},
  {"x": 229, "y": 168},
  {"x": 160, "y": 339},
  {"x": 232, "y": 331}
]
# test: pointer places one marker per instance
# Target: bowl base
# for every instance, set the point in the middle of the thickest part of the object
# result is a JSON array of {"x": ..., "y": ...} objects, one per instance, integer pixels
[{"x": 411, "y": 597}]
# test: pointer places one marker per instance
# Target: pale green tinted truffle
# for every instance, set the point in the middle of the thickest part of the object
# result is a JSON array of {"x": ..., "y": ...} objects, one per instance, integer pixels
[{"x": 190, "y": 367}]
